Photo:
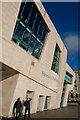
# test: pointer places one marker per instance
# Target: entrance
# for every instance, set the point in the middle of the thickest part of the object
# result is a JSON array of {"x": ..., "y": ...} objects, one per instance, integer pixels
[
  {"x": 30, "y": 94},
  {"x": 47, "y": 102},
  {"x": 40, "y": 103}
]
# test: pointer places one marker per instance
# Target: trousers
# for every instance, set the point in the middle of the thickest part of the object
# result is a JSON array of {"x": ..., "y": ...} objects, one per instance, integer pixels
[{"x": 27, "y": 109}]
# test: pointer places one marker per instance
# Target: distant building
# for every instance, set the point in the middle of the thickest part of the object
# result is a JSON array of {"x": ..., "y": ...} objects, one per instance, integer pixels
[
  {"x": 33, "y": 61},
  {"x": 74, "y": 94}
]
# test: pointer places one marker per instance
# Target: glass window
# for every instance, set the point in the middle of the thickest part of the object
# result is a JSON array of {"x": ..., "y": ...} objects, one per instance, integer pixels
[
  {"x": 29, "y": 5},
  {"x": 41, "y": 29},
  {"x": 30, "y": 30},
  {"x": 43, "y": 34},
  {"x": 32, "y": 17},
  {"x": 37, "y": 50},
  {"x": 21, "y": 9},
  {"x": 68, "y": 77},
  {"x": 37, "y": 23},
  {"x": 55, "y": 62},
  {"x": 18, "y": 34},
  {"x": 24, "y": 45},
  {"x": 26, "y": 37},
  {"x": 31, "y": 45},
  {"x": 25, "y": 15}
]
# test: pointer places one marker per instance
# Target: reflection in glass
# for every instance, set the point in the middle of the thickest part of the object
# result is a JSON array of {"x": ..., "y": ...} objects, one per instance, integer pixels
[
  {"x": 26, "y": 37},
  {"x": 18, "y": 34},
  {"x": 37, "y": 50}
]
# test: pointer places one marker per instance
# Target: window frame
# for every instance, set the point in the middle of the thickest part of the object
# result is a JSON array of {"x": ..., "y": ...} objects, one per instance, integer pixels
[{"x": 26, "y": 27}]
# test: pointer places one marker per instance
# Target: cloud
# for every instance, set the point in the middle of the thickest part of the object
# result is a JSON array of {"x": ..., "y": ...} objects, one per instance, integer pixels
[{"x": 71, "y": 42}]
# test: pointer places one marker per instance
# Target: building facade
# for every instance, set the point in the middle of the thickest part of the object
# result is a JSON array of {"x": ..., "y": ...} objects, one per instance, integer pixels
[
  {"x": 74, "y": 95},
  {"x": 33, "y": 61}
]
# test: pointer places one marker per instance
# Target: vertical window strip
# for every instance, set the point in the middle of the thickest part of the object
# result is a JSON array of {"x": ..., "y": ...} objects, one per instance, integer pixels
[
  {"x": 38, "y": 27},
  {"x": 55, "y": 63},
  {"x": 34, "y": 20},
  {"x": 42, "y": 32},
  {"x": 29, "y": 14},
  {"x": 23, "y": 9}
]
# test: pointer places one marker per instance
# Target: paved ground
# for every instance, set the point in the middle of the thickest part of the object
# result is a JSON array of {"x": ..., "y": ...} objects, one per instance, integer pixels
[{"x": 67, "y": 112}]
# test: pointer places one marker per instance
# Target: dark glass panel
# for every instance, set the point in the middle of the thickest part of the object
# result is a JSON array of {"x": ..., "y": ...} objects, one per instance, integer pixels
[
  {"x": 25, "y": 15},
  {"x": 31, "y": 45},
  {"x": 37, "y": 50},
  {"x": 32, "y": 17},
  {"x": 21, "y": 9},
  {"x": 41, "y": 29},
  {"x": 19, "y": 30},
  {"x": 55, "y": 63},
  {"x": 24, "y": 45},
  {"x": 36, "y": 24},
  {"x": 26, "y": 37},
  {"x": 43, "y": 36},
  {"x": 30, "y": 50},
  {"x": 29, "y": 5},
  {"x": 32, "y": 42}
]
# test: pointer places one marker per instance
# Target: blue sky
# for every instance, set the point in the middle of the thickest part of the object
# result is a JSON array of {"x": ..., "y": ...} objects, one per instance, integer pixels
[{"x": 64, "y": 16}]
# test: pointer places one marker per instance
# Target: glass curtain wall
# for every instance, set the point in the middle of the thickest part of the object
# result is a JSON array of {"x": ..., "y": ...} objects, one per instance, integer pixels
[
  {"x": 30, "y": 30},
  {"x": 55, "y": 62}
]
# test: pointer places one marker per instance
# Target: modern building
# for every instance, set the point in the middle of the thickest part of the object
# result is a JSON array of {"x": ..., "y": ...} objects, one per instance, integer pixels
[
  {"x": 74, "y": 95},
  {"x": 34, "y": 59}
]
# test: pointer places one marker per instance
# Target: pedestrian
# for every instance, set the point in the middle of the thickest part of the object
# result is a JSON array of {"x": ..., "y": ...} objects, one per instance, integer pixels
[
  {"x": 17, "y": 106},
  {"x": 22, "y": 106},
  {"x": 27, "y": 106}
]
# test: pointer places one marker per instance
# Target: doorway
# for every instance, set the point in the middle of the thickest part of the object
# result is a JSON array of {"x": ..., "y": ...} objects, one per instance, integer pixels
[
  {"x": 40, "y": 103},
  {"x": 30, "y": 94},
  {"x": 47, "y": 102}
]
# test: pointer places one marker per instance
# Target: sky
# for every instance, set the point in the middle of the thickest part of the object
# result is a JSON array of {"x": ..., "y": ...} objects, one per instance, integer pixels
[{"x": 64, "y": 16}]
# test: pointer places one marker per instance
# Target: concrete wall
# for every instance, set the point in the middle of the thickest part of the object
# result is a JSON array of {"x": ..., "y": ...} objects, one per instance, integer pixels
[
  {"x": 0, "y": 57},
  {"x": 25, "y": 84},
  {"x": 8, "y": 89}
]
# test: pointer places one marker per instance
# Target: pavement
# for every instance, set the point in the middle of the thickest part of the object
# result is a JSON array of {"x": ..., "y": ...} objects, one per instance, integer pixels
[{"x": 69, "y": 112}]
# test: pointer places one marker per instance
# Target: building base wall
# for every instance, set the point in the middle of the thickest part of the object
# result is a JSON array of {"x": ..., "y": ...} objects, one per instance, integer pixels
[
  {"x": 8, "y": 89},
  {"x": 17, "y": 86}
]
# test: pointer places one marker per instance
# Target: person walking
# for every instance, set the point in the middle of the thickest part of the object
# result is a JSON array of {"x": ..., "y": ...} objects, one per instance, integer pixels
[
  {"x": 22, "y": 107},
  {"x": 17, "y": 106},
  {"x": 27, "y": 106}
]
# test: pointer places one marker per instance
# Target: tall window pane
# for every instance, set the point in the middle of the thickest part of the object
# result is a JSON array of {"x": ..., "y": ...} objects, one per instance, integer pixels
[
  {"x": 32, "y": 17},
  {"x": 24, "y": 45},
  {"x": 18, "y": 34},
  {"x": 43, "y": 35},
  {"x": 37, "y": 24},
  {"x": 55, "y": 63},
  {"x": 26, "y": 37},
  {"x": 31, "y": 45},
  {"x": 37, "y": 50}
]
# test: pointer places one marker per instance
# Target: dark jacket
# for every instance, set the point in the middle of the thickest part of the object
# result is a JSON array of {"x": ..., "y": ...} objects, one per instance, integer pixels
[
  {"x": 17, "y": 104},
  {"x": 27, "y": 103}
]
